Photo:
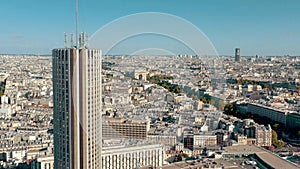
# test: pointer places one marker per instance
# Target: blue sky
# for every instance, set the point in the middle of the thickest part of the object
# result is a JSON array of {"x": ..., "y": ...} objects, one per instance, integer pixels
[{"x": 269, "y": 27}]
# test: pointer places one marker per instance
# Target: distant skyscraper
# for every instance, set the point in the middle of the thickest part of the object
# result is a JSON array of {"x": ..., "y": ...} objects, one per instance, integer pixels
[
  {"x": 237, "y": 55},
  {"x": 77, "y": 116}
]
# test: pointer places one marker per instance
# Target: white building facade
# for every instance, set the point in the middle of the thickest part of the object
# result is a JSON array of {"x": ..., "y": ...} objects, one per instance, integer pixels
[
  {"x": 46, "y": 162},
  {"x": 132, "y": 156}
]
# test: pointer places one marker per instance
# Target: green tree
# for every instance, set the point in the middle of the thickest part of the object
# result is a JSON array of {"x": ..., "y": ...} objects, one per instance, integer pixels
[
  {"x": 275, "y": 141},
  {"x": 177, "y": 89},
  {"x": 203, "y": 99},
  {"x": 298, "y": 133},
  {"x": 194, "y": 97},
  {"x": 229, "y": 108},
  {"x": 274, "y": 137},
  {"x": 179, "y": 158},
  {"x": 185, "y": 155},
  {"x": 280, "y": 143},
  {"x": 275, "y": 126},
  {"x": 265, "y": 86}
]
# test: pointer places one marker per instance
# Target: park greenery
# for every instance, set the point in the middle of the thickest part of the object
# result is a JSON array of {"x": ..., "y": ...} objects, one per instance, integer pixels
[
  {"x": 242, "y": 81},
  {"x": 163, "y": 80},
  {"x": 231, "y": 109},
  {"x": 247, "y": 81},
  {"x": 275, "y": 141},
  {"x": 207, "y": 99},
  {"x": 182, "y": 156},
  {"x": 293, "y": 133}
]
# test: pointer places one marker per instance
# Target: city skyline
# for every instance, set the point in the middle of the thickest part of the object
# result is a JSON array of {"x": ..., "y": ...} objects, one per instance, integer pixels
[
  {"x": 263, "y": 28},
  {"x": 139, "y": 84}
]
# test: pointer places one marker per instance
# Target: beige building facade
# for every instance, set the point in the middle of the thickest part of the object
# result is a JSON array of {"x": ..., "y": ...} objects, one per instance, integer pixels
[{"x": 77, "y": 101}]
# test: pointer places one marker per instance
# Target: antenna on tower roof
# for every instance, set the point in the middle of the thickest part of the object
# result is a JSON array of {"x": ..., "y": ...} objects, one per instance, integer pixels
[
  {"x": 81, "y": 40},
  {"x": 76, "y": 24},
  {"x": 86, "y": 40},
  {"x": 66, "y": 41},
  {"x": 72, "y": 40}
]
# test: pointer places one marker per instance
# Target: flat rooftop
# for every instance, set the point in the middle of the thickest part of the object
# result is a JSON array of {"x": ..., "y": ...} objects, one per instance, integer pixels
[
  {"x": 268, "y": 157},
  {"x": 245, "y": 149},
  {"x": 210, "y": 163},
  {"x": 235, "y": 163},
  {"x": 275, "y": 161}
]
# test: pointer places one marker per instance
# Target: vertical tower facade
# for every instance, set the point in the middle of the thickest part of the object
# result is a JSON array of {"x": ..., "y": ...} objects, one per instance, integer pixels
[
  {"x": 237, "y": 55},
  {"x": 77, "y": 101}
]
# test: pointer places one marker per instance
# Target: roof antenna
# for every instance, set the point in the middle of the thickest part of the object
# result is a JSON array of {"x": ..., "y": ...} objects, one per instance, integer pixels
[
  {"x": 76, "y": 23},
  {"x": 82, "y": 40},
  {"x": 86, "y": 40},
  {"x": 66, "y": 41},
  {"x": 79, "y": 42},
  {"x": 72, "y": 40}
]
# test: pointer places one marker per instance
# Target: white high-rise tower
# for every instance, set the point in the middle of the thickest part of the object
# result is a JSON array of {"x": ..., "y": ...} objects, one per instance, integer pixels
[{"x": 77, "y": 102}]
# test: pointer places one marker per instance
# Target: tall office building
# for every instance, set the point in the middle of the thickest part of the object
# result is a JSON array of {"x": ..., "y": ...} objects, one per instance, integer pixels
[
  {"x": 237, "y": 55},
  {"x": 77, "y": 116}
]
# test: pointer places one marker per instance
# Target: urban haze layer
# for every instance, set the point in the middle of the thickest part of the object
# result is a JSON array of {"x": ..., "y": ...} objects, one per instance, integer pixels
[{"x": 157, "y": 111}]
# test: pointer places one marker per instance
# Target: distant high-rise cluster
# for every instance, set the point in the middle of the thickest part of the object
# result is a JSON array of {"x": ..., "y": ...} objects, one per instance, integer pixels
[
  {"x": 237, "y": 55},
  {"x": 77, "y": 101}
]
